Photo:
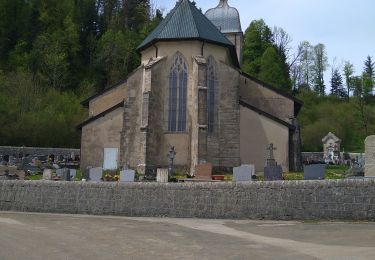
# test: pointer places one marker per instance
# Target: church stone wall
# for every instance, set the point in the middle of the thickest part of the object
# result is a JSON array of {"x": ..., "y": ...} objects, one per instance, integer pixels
[
  {"x": 257, "y": 132},
  {"x": 103, "y": 133},
  {"x": 107, "y": 100},
  {"x": 266, "y": 99},
  {"x": 132, "y": 137},
  {"x": 228, "y": 132}
]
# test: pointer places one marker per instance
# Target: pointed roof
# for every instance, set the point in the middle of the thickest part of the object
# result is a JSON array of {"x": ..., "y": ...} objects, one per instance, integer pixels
[{"x": 186, "y": 22}]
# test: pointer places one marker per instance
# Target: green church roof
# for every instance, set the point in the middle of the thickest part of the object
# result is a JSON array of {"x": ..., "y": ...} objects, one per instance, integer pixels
[{"x": 186, "y": 22}]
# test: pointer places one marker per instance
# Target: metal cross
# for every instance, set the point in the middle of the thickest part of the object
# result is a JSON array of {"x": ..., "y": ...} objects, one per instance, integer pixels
[
  {"x": 171, "y": 155},
  {"x": 271, "y": 149}
]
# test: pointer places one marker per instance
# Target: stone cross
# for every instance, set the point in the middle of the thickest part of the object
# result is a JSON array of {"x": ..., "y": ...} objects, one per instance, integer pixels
[{"x": 171, "y": 155}]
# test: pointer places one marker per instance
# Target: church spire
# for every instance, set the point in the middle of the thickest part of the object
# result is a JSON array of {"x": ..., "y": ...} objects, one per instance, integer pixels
[{"x": 223, "y": 3}]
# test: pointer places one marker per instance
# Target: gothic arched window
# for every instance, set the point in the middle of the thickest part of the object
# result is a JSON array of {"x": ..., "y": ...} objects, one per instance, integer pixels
[
  {"x": 178, "y": 78},
  {"x": 212, "y": 93}
]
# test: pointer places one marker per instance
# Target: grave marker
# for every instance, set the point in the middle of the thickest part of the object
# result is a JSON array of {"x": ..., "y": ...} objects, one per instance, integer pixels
[
  {"x": 127, "y": 176},
  {"x": 243, "y": 173},
  {"x": 162, "y": 175},
  {"x": 96, "y": 174},
  {"x": 203, "y": 171}
]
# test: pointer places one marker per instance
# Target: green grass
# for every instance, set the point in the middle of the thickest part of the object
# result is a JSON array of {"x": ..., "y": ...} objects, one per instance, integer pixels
[{"x": 36, "y": 177}]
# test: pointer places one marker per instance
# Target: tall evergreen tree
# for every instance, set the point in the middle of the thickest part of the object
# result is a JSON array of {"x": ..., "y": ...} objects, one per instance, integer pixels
[
  {"x": 337, "y": 88},
  {"x": 369, "y": 73}
]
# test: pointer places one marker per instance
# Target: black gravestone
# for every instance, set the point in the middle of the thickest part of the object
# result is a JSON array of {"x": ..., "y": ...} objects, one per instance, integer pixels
[
  {"x": 314, "y": 171},
  {"x": 273, "y": 173}
]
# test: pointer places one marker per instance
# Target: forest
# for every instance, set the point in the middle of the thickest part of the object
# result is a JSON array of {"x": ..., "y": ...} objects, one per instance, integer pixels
[{"x": 54, "y": 54}]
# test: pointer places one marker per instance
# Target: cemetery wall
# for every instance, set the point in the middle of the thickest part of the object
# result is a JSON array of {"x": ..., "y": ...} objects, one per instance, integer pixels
[
  {"x": 300, "y": 200},
  {"x": 12, "y": 150}
]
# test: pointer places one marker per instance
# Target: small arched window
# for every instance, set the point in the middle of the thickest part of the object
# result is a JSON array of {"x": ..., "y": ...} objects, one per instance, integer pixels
[
  {"x": 178, "y": 78},
  {"x": 212, "y": 93}
]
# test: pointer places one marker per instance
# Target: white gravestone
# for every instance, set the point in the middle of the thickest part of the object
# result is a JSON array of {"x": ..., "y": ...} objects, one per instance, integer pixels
[
  {"x": 370, "y": 156},
  {"x": 127, "y": 176},
  {"x": 47, "y": 174},
  {"x": 162, "y": 175},
  {"x": 243, "y": 173},
  {"x": 60, "y": 172},
  {"x": 73, "y": 173},
  {"x": 95, "y": 174}
]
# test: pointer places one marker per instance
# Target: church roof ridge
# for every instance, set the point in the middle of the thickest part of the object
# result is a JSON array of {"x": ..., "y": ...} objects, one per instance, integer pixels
[{"x": 185, "y": 22}]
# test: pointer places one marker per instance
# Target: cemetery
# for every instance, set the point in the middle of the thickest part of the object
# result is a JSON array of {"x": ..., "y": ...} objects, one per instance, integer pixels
[{"x": 317, "y": 193}]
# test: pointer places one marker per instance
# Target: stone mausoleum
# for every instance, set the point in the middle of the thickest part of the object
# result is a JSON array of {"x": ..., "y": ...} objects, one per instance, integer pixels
[{"x": 189, "y": 92}]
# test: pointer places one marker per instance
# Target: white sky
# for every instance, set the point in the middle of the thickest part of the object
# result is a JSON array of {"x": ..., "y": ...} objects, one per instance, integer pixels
[{"x": 346, "y": 27}]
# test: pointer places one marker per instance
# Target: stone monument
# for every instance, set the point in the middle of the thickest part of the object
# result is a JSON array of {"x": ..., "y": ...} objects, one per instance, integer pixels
[
  {"x": 370, "y": 156},
  {"x": 331, "y": 148}
]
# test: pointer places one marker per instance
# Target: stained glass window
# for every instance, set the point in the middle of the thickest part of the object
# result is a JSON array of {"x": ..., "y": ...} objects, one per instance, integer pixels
[{"x": 178, "y": 78}]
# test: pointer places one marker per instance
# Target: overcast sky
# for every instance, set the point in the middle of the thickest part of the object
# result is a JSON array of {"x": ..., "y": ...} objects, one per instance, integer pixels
[{"x": 346, "y": 27}]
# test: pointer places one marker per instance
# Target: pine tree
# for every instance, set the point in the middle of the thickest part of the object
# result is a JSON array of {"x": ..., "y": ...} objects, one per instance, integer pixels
[
  {"x": 337, "y": 88},
  {"x": 271, "y": 69},
  {"x": 369, "y": 74}
]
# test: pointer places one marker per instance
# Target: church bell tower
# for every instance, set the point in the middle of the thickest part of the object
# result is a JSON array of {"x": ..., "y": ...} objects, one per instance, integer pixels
[{"x": 227, "y": 20}]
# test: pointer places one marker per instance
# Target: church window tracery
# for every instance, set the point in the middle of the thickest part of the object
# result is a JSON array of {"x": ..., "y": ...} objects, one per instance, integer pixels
[{"x": 178, "y": 78}]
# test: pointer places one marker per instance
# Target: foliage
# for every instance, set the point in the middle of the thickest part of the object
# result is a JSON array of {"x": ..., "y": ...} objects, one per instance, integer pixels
[
  {"x": 55, "y": 53},
  {"x": 337, "y": 88},
  {"x": 320, "y": 115},
  {"x": 265, "y": 54}
]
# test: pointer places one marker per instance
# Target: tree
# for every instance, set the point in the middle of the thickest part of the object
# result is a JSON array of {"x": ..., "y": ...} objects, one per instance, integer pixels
[
  {"x": 263, "y": 46},
  {"x": 319, "y": 66},
  {"x": 258, "y": 37},
  {"x": 348, "y": 73},
  {"x": 306, "y": 63},
  {"x": 271, "y": 69},
  {"x": 369, "y": 73},
  {"x": 337, "y": 88}
]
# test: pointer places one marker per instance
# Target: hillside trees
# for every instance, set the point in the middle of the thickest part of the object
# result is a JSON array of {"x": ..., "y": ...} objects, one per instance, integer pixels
[{"x": 55, "y": 53}]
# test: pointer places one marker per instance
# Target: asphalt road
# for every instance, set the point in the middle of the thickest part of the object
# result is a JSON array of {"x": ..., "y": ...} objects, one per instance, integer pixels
[{"x": 67, "y": 237}]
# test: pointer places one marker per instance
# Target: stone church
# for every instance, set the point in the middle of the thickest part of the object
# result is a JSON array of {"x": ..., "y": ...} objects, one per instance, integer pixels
[{"x": 189, "y": 92}]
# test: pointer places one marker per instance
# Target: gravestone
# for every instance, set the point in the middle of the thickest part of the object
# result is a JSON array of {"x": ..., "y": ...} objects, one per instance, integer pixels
[
  {"x": 203, "y": 171},
  {"x": 127, "y": 176},
  {"x": 314, "y": 171},
  {"x": 273, "y": 173},
  {"x": 65, "y": 174},
  {"x": 370, "y": 156},
  {"x": 162, "y": 175},
  {"x": 73, "y": 173},
  {"x": 47, "y": 174},
  {"x": 60, "y": 172},
  {"x": 243, "y": 173},
  {"x": 96, "y": 174}
]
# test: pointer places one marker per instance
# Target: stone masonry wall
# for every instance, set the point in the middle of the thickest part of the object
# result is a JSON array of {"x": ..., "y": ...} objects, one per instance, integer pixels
[
  {"x": 12, "y": 150},
  {"x": 338, "y": 199}
]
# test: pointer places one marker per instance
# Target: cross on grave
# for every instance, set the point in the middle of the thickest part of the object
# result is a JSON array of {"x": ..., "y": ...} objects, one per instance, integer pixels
[
  {"x": 171, "y": 155},
  {"x": 271, "y": 159}
]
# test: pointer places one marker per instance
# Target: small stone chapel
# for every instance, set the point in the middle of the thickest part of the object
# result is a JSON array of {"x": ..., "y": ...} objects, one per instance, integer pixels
[{"x": 189, "y": 92}]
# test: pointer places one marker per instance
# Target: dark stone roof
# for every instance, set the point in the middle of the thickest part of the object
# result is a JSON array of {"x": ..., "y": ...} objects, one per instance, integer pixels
[{"x": 186, "y": 22}]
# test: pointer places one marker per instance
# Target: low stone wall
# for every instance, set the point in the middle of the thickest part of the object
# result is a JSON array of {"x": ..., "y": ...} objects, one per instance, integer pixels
[
  {"x": 301, "y": 200},
  {"x": 12, "y": 150}
]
